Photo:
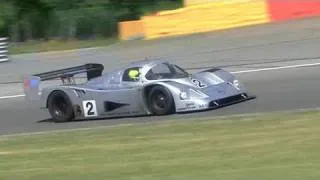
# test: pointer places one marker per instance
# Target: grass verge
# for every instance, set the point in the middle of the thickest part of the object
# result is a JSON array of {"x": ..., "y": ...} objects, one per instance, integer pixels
[
  {"x": 272, "y": 146},
  {"x": 56, "y": 45}
]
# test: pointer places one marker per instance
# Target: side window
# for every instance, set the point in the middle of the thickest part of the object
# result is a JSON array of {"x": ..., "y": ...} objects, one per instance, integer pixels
[
  {"x": 131, "y": 74},
  {"x": 158, "y": 72},
  {"x": 161, "y": 69}
]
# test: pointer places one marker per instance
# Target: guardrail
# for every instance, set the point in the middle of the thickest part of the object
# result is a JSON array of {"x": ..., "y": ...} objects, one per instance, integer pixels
[
  {"x": 4, "y": 49},
  {"x": 219, "y": 15}
]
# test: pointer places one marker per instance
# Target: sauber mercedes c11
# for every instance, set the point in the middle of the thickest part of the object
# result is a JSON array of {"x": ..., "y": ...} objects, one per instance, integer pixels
[{"x": 149, "y": 87}]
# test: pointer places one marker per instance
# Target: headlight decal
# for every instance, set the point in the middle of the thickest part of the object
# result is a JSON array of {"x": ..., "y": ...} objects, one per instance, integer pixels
[
  {"x": 236, "y": 84},
  {"x": 183, "y": 95}
]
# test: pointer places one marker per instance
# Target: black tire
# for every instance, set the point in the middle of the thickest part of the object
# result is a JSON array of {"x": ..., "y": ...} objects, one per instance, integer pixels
[
  {"x": 160, "y": 101},
  {"x": 60, "y": 107}
]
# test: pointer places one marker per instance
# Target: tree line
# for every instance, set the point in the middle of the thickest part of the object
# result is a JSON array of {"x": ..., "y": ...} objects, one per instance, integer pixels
[{"x": 24, "y": 20}]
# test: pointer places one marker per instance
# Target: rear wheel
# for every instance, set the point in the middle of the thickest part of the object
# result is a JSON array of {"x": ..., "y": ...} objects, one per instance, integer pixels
[
  {"x": 160, "y": 101},
  {"x": 60, "y": 107}
]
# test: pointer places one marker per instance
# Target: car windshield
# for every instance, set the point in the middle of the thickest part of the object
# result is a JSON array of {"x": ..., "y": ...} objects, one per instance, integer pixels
[{"x": 166, "y": 71}]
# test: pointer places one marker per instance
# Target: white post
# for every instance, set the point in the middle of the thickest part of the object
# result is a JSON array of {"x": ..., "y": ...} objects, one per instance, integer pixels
[{"x": 3, "y": 49}]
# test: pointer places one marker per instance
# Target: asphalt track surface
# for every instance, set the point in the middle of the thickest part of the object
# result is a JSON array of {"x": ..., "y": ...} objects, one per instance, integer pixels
[{"x": 279, "y": 63}]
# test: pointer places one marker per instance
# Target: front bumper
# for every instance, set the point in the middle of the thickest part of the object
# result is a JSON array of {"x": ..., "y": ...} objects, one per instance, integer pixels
[
  {"x": 207, "y": 104},
  {"x": 230, "y": 100}
]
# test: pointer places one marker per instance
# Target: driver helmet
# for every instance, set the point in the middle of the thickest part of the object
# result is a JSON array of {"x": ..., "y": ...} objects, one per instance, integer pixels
[{"x": 133, "y": 74}]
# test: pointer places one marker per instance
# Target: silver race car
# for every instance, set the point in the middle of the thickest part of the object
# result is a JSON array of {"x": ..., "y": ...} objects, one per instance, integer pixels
[{"x": 141, "y": 88}]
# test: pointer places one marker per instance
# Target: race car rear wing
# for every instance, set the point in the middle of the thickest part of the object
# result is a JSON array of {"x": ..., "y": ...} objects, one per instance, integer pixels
[
  {"x": 92, "y": 70},
  {"x": 32, "y": 83}
]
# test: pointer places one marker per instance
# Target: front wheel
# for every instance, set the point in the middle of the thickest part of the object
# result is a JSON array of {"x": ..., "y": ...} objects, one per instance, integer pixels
[
  {"x": 160, "y": 101},
  {"x": 60, "y": 107}
]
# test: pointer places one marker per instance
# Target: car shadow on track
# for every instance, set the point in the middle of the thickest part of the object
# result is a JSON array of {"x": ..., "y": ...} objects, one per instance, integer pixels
[{"x": 50, "y": 120}]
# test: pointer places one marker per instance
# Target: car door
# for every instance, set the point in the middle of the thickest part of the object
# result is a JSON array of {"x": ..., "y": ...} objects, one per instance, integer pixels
[
  {"x": 122, "y": 96},
  {"x": 128, "y": 98}
]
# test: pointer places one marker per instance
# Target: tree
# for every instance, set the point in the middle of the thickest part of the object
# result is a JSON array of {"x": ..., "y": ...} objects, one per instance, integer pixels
[
  {"x": 25, "y": 14},
  {"x": 46, "y": 19},
  {"x": 134, "y": 8}
]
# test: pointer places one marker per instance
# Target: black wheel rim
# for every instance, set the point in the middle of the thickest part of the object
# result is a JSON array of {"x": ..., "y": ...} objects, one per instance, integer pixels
[
  {"x": 160, "y": 100},
  {"x": 60, "y": 107}
]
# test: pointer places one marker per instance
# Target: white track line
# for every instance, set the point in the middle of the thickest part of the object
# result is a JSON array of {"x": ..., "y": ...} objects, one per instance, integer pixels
[
  {"x": 65, "y": 130},
  {"x": 276, "y": 68},
  {"x": 235, "y": 72},
  {"x": 11, "y": 97}
]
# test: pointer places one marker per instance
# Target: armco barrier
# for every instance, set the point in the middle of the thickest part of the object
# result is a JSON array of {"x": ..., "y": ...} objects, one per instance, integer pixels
[
  {"x": 205, "y": 17},
  {"x": 131, "y": 30},
  {"x": 281, "y": 10},
  {"x": 3, "y": 49},
  {"x": 197, "y": 2},
  {"x": 209, "y": 15}
]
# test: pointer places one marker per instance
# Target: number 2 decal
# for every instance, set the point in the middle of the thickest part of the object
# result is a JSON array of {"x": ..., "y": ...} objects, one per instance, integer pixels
[
  {"x": 90, "y": 108},
  {"x": 198, "y": 83}
]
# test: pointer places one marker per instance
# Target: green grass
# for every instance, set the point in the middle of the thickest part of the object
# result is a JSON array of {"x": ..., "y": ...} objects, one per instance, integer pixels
[
  {"x": 272, "y": 146},
  {"x": 57, "y": 45}
]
